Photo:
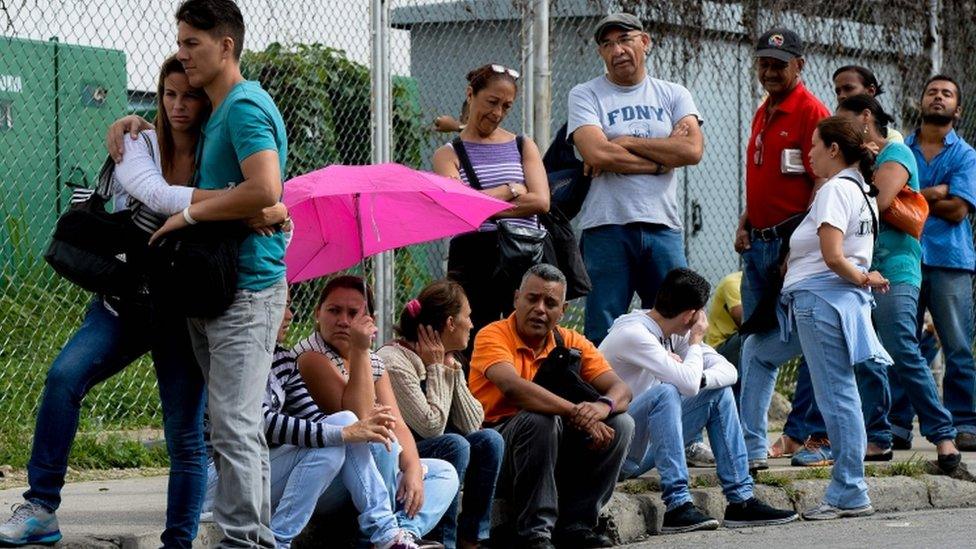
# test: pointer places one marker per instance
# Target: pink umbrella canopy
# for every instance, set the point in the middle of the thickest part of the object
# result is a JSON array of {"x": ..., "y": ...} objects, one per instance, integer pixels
[{"x": 343, "y": 214}]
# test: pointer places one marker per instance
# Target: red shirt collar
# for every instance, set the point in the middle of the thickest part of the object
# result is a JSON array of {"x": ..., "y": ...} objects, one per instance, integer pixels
[{"x": 793, "y": 99}]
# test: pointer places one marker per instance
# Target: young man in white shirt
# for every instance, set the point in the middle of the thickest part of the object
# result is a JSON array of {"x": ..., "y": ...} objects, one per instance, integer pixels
[{"x": 681, "y": 386}]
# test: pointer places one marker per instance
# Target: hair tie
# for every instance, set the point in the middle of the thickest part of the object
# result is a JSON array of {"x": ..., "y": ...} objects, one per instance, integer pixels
[{"x": 413, "y": 308}]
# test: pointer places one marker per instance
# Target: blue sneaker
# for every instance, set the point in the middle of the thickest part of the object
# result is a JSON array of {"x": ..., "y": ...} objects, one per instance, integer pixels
[
  {"x": 30, "y": 524},
  {"x": 815, "y": 453}
]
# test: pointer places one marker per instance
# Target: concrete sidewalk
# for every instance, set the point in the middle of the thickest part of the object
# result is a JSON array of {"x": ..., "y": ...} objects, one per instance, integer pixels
[{"x": 129, "y": 513}]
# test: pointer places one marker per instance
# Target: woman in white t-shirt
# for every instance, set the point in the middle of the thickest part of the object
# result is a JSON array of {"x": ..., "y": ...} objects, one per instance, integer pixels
[{"x": 827, "y": 292}]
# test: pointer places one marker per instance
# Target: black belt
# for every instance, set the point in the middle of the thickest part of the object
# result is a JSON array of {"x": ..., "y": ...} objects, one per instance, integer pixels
[{"x": 776, "y": 232}]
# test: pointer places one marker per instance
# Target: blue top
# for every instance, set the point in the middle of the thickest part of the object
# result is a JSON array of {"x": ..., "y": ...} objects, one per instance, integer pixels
[
  {"x": 497, "y": 164},
  {"x": 897, "y": 254},
  {"x": 246, "y": 122},
  {"x": 944, "y": 243},
  {"x": 852, "y": 303}
]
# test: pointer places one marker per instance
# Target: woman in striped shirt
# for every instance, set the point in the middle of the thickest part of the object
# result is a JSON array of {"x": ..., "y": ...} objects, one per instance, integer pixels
[{"x": 507, "y": 168}]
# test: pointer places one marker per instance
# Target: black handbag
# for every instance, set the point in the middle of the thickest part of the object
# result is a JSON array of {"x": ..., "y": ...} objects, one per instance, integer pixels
[
  {"x": 568, "y": 186},
  {"x": 95, "y": 249},
  {"x": 519, "y": 247},
  {"x": 193, "y": 271},
  {"x": 560, "y": 374},
  {"x": 763, "y": 317}
]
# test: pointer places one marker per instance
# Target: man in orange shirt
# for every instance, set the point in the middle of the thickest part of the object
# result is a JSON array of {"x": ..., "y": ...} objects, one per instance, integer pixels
[{"x": 589, "y": 439}]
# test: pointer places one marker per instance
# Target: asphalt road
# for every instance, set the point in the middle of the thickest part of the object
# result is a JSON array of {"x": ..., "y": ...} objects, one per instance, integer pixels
[{"x": 948, "y": 528}]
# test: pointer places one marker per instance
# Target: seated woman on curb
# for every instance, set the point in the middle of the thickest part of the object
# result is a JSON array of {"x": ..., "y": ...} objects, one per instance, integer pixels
[
  {"x": 343, "y": 374},
  {"x": 317, "y": 457},
  {"x": 432, "y": 393}
]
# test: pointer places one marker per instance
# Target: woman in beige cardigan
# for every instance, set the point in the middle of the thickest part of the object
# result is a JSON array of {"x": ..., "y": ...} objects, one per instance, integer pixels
[{"x": 433, "y": 397}]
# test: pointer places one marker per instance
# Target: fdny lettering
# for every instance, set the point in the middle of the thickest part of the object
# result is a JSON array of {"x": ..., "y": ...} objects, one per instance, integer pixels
[{"x": 636, "y": 112}]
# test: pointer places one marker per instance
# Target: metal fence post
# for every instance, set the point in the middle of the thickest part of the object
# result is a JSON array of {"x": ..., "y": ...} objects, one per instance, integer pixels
[
  {"x": 384, "y": 281},
  {"x": 541, "y": 82},
  {"x": 935, "y": 35},
  {"x": 526, "y": 43}
]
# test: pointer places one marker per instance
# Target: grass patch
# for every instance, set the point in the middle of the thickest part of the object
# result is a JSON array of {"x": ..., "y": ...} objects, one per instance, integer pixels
[
  {"x": 89, "y": 451},
  {"x": 770, "y": 479},
  {"x": 703, "y": 481},
  {"x": 813, "y": 473}
]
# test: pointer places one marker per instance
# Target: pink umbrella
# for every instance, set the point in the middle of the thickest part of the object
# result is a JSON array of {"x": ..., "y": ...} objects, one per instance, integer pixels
[{"x": 343, "y": 214}]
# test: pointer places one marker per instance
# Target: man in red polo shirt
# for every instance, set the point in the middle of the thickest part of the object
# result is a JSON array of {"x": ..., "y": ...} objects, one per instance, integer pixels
[{"x": 779, "y": 188}]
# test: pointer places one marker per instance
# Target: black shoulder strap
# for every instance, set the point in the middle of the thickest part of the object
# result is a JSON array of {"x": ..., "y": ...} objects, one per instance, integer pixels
[
  {"x": 465, "y": 161},
  {"x": 560, "y": 342},
  {"x": 518, "y": 144},
  {"x": 874, "y": 217}
]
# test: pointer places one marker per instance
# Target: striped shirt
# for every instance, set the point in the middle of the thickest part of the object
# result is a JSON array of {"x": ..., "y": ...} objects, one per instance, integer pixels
[
  {"x": 315, "y": 343},
  {"x": 497, "y": 164},
  {"x": 290, "y": 414}
]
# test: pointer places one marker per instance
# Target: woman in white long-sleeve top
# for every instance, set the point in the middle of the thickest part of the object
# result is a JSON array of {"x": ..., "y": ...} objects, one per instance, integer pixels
[
  {"x": 445, "y": 418},
  {"x": 680, "y": 386}
]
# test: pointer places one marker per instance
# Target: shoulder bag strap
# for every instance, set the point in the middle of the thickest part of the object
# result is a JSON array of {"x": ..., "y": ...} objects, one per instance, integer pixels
[
  {"x": 874, "y": 217},
  {"x": 465, "y": 162}
]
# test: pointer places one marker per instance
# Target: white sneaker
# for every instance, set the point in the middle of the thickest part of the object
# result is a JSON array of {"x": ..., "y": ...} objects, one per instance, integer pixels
[
  {"x": 826, "y": 511},
  {"x": 403, "y": 540},
  {"x": 698, "y": 454},
  {"x": 30, "y": 524}
]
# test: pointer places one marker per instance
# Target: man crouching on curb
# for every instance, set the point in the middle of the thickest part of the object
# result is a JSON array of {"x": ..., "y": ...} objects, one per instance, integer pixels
[
  {"x": 682, "y": 385},
  {"x": 561, "y": 459}
]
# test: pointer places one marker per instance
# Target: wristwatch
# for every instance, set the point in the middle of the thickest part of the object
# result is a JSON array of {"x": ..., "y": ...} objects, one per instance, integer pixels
[{"x": 608, "y": 401}]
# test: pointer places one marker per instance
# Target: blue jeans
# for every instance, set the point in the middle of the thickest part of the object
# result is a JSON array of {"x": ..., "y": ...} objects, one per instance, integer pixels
[
  {"x": 948, "y": 295},
  {"x": 759, "y": 263},
  {"x": 762, "y": 355},
  {"x": 872, "y": 385},
  {"x": 663, "y": 419},
  {"x": 99, "y": 349},
  {"x": 477, "y": 458},
  {"x": 818, "y": 327},
  {"x": 622, "y": 259},
  {"x": 299, "y": 476},
  {"x": 440, "y": 488},
  {"x": 895, "y": 318}
]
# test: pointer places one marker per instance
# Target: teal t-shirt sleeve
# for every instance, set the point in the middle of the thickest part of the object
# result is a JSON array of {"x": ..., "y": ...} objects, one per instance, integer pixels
[
  {"x": 901, "y": 154},
  {"x": 962, "y": 181},
  {"x": 252, "y": 129}
]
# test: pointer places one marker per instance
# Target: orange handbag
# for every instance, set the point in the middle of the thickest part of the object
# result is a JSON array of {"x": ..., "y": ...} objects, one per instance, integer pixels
[{"x": 907, "y": 212}]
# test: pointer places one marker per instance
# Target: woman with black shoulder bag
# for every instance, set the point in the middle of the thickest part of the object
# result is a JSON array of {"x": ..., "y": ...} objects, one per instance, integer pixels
[{"x": 490, "y": 262}]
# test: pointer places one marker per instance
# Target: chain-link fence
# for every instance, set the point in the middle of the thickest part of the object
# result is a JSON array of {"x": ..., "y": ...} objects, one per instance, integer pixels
[{"x": 70, "y": 67}]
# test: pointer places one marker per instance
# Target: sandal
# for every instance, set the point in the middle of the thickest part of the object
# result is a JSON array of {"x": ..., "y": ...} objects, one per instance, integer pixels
[{"x": 784, "y": 446}]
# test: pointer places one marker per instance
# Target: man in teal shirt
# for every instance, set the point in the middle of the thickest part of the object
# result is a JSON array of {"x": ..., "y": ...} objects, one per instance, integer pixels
[{"x": 244, "y": 148}]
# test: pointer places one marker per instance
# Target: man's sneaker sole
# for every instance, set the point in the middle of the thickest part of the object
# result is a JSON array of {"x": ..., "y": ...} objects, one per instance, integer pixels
[
  {"x": 46, "y": 539},
  {"x": 821, "y": 463},
  {"x": 865, "y": 511},
  {"x": 755, "y": 523},
  {"x": 710, "y": 524}
]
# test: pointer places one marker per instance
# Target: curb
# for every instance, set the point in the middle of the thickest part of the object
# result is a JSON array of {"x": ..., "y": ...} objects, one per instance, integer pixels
[{"x": 633, "y": 517}]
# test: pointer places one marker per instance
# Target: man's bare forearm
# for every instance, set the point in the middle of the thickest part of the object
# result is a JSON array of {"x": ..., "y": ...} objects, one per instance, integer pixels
[
  {"x": 242, "y": 202},
  {"x": 672, "y": 152}
]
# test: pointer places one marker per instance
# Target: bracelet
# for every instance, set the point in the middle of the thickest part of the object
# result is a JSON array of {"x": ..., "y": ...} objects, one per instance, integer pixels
[
  {"x": 511, "y": 189},
  {"x": 186, "y": 216},
  {"x": 608, "y": 401}
]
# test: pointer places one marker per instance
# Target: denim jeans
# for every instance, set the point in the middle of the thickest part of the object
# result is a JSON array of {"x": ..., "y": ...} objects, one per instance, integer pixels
[
  {"x": 300, "y": 476},
  {"x": 477, "y": 458},
  {"x": 663, "y": 419},
  {"x": 948, "y": 295},
  {"x": 234, "y": 351},
  {"x": 759, "y": 261},
  {"x": 440, "y": 488},
  {"x": 895, "y": 319},
  {"x": 99, "y": 349},
  {"x": 818, "y": 327},
  {"x": 552, "y": 479},
  {"x": 873, "y": 386},
  {"x": 762, "y": 355},
  {"x": 622, "y": 259}
]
